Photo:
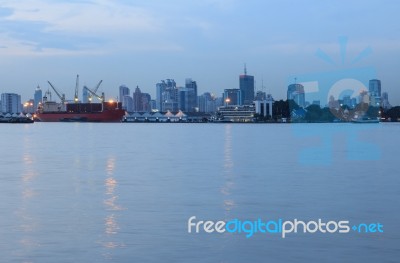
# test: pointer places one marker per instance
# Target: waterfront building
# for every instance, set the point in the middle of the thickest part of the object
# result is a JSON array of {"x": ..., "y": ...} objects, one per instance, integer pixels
[
  {"x": 236, "y": 113},
  {"x": 246, "y": 85},
  {"x": 37, "y": 97},
  {"x": 232, "y": 97},
  {"x": 264, "y": 107},
  {"x": 11, "y": 103}
]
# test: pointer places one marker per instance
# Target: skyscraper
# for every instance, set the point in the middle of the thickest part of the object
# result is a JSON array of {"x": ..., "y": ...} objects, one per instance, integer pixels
[
  {"x": 128, "y": 102},
  {"x": 246, "y": 85},
  {"x": 123, "y": 91},
  {"x": 375, "y": 88},
  {"x": 11, "y": 103},
  {"x": 137, "y": 100},
  {"x": 167, "y": 95},
  {"x": 37, "y": 97},
  {"x": 191, "y": 87},
  {"x": 146, "y": 99},
  {"x": 375, "y": 92},
  {"x": 296, "y": 92},
  {"x": 385, "y": 101}
]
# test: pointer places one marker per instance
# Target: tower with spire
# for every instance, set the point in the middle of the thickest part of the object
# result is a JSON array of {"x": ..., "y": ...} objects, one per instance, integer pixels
[
  {"x": 37, "y": 98},
  {"x": 246, "y": 86}
]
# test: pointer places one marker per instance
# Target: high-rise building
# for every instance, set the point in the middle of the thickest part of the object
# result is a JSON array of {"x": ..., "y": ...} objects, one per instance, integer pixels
[
  {"x": 127, "y": 101},
  {"x": 246, "y": 85},
  {"x": 375, "y": 92},
  {"x": 137, "y": 100},
  {"x": 37, "y": 97},
  {"x": 296, "y": 92},
  {"x": 385, "y": 101},
  {"x": 232, "y": 97},
  {"x": 191, "y": 88},
  {"x": 375, "y": 87},
  {"x": 11, "y": 103},
  {"x": 206, "y": 103},
  {"x": 167, "y": 95},
  {"x": 123, "y": 91},
  {"x": 146, "y": 99},
  {"x": 183, "y": 99}
]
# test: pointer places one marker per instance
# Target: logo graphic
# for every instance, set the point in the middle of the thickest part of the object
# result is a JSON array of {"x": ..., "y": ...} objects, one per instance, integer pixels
[
  {"x": 280, "y": 227},
  {"x": 339, "y": 96}
]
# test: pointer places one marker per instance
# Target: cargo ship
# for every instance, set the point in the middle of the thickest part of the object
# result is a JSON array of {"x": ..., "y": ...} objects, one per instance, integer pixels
[
  {"x": 50, "y": 111},
  {"x": 75, "y": 111}
]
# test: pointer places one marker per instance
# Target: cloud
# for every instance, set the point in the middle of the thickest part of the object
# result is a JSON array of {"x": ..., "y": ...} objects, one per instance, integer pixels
[{"x": 38, "y": 26}]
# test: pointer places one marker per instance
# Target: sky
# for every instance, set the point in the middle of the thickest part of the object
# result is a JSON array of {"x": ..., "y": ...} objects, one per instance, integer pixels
[{"x": 139, "y": 43}]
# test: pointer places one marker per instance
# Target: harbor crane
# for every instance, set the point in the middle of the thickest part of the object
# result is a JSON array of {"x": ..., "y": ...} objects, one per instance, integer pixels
[
  {"x": 94, "y": 91},
  {"x": 101, "y": 98},
  {"x": 61, "y": 96}
]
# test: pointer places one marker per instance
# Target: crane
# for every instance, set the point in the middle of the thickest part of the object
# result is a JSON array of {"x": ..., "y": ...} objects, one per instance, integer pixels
[
  {"x": 101, "y": 98},
  {"x": 94, "y": 91},
  {"x": 62, "y": 97},
  {"x": 76, "y": 99}
]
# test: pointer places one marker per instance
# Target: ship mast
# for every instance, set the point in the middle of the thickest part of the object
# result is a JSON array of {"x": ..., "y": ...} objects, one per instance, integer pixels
[{"x": 76, "y": 99}]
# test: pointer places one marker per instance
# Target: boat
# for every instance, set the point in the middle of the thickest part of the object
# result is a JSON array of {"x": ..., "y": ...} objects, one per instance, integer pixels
[
  {"x": 16, "y": 120},
  {"x": 50, "y": 111},
  {"x": 365, "y": 120},
  {"x": 76, "y": 111}
]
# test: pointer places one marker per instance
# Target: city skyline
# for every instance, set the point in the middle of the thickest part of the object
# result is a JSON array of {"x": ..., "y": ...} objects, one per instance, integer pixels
[{"x": 139, "y": 44}]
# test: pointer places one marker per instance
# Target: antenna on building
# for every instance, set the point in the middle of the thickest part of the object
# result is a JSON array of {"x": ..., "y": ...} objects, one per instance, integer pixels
[
  {"x": 295, "y": 80},
  {"x": 262, "y": 85},
  {"x": 245, "y": 69}
]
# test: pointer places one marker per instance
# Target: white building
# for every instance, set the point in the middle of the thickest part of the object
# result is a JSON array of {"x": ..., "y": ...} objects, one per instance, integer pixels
[{"x": 264, "y": 107}]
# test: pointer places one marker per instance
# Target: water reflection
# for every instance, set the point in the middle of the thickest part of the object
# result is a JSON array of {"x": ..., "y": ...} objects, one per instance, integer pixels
[
  {"x": 28, "y": 224},
  {"x": 227, "y": 188},
  {"x": 111, "y": 226}
]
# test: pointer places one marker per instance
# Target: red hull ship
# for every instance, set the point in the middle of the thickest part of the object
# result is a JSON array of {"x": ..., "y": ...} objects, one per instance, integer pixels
[{"x": 80, "y": 112}]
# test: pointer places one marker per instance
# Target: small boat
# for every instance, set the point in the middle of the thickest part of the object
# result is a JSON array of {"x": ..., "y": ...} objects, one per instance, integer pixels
[
  {"x": 365, "y": 120},
  {"x": 16, "y": 120}
]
